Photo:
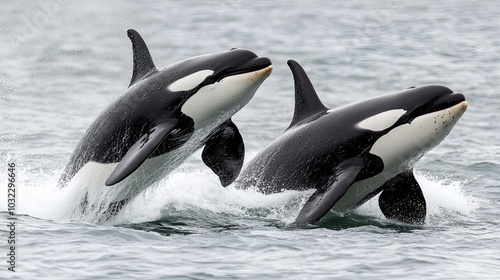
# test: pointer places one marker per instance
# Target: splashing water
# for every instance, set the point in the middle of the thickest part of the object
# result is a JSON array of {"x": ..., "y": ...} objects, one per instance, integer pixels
[
  {"x": 445, "y": 199},
  {"x": 197, "y": 196}
]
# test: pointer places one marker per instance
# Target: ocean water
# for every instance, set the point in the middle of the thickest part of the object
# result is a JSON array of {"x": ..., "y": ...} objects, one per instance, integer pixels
[{"x": 62, "y": 62}]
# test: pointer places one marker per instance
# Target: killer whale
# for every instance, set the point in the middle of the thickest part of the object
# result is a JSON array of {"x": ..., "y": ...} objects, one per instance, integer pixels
[
  {"x": 162, "y": 118},
  {"x": 351, "y": 153}
]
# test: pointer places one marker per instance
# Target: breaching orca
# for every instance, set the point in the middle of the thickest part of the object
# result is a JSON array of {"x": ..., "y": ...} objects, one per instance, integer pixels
[
  {"x": 351, "y": 153},
  {"x": 162, "y": 118}
]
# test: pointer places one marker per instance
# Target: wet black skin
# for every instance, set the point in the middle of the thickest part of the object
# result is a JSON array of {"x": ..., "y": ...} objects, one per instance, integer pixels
[
  {"x": 147, "y": 103},
  {"x": 314, "y": 146},
  {"x": 327, "y": 151}
]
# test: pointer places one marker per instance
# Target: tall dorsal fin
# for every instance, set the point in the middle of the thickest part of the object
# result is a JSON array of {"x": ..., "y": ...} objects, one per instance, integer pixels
[
  {"x": 143, "y": 63},
  {"x": 307, "y": 102}
]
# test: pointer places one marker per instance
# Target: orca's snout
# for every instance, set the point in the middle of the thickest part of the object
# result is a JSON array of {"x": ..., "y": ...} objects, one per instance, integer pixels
[
  {"x": 462, "y": 106},
  {"x": 259, "y": 63},
  {"x": 240, "y": 61},
  {"x": 435, "y": 97},
  {"x": 450, "y": 100}
]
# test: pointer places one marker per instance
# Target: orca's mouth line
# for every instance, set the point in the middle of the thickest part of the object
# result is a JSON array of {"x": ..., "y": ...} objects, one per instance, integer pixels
[
  {"x": 437, "y": 104},
  {"x": 256, "y": 64},
  {"x": 447, "y": 101}
]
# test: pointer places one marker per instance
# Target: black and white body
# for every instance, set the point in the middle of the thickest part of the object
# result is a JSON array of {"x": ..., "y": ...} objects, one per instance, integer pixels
[
  {"x": 351, "y": 153},
  {"x": 162, "y": 118}
]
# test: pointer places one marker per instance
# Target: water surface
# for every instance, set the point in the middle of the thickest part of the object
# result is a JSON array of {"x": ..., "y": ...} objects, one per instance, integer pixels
[{"x": 62, "y": 62}]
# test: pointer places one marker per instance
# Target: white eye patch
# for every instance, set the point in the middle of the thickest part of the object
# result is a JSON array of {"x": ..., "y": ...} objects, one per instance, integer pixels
[
  {"x": 190, "y": 82},
  {"x": 382, "y": 121}
]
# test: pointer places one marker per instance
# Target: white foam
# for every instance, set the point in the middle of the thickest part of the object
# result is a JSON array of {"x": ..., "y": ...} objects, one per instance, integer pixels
[
  {"x": 40, "y": 198},
  {"x": 443, "y": 196},
  {"x": 446, "y": 195},
  {"x": 184, "y": 191}
]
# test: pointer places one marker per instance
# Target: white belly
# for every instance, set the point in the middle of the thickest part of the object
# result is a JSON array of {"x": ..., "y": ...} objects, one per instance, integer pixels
[{"x": 88, "y": 182}]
